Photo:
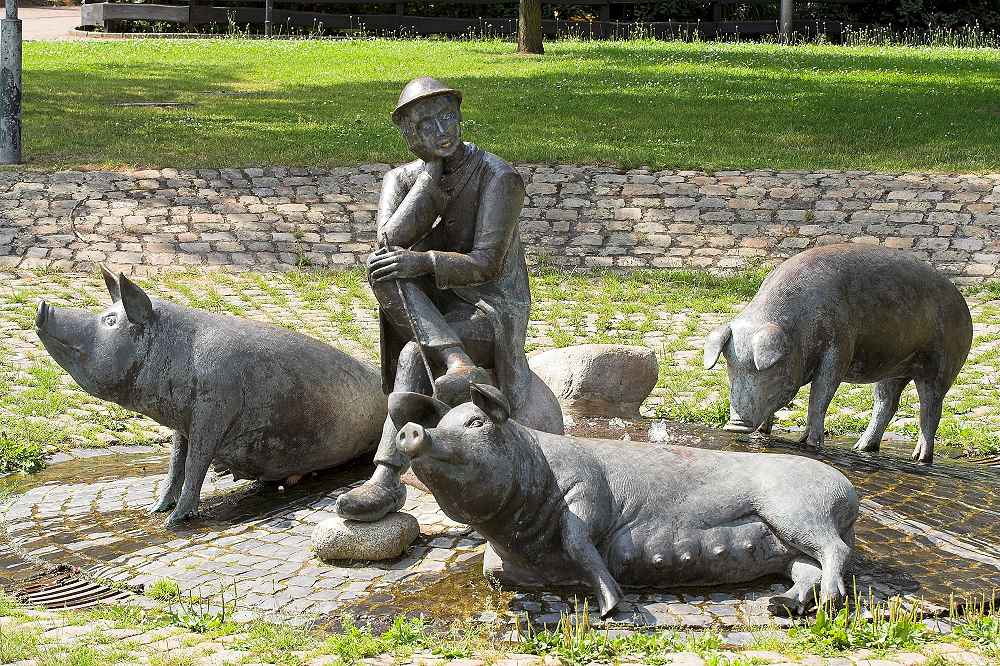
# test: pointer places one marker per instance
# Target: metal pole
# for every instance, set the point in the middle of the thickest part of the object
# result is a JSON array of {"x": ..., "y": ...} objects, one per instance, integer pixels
[
  {"x": 10, "y": 86},
  {"x": 786, "y": 21},
  {"x": 268, "y": 13}
]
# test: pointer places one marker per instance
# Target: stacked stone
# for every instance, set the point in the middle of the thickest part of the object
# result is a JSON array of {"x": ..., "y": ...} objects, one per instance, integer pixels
[
  {"x": 591, "y": 217},
  {"x": 575, "y": 217}
]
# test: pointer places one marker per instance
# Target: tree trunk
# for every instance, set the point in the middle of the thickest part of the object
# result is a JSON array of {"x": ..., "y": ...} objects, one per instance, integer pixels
[
  {"x": 529, "y": 27},
  {"x": 786, "y": 21}
]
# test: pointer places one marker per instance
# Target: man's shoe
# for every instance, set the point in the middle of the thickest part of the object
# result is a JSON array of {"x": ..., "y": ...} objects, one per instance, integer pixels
[
  {"x": 454, "y": 387},
  {"x": 370, "y": 502}
]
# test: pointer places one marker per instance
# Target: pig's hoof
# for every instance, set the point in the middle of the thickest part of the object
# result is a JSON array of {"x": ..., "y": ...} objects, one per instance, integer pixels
[
  {"x": 786, "y": 606},
  {"x": 163, "y": 506},
  {"x": 868, "y": 447},
  {"x": 814, "y": 442},
  {"x": 921, "y": 456},
  {"x": 175, "y": 519},
  {"x": 608, "y": 605}
]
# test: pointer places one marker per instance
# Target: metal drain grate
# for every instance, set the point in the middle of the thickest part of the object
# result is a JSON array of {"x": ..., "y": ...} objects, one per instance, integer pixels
[{"x": 63, "y": 589}]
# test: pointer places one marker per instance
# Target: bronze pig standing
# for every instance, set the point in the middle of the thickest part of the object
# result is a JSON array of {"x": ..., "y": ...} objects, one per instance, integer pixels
[
  {"x": 260, "y": 401},
  {"x": 845, "y": 313}
]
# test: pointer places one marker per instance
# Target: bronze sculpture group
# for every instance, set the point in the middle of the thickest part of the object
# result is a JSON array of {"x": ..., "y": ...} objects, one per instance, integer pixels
[
  {"x": 485, "y": 434},
  {"x": 451, "y": 282}
]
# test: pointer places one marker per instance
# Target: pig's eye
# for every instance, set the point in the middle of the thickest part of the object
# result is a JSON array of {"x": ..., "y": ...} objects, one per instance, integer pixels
[
  {"x": 110, "y": 319},
  {"x": 475, "y": 423}
]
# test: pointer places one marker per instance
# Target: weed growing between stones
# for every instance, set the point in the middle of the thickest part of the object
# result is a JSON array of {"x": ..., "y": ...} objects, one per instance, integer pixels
[
  {"x": 871, "y": 627},
  {"x": 17, "y": 645},
  {"x": 200, "y": 614},
  {"x": 164, "y": 590},
  {"x": 979, "y": 625},
  {"x": 25, "y": 444},
  {"x": 276, "y": 644}
]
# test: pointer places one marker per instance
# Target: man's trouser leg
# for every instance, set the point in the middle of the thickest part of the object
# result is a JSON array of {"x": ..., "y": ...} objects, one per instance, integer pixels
[
  {"x": 410, "y": 376},
  {"x": 419, "y": 318},
  {"x": 424, "y": 317},
  {"x": 384, "y": 493}
]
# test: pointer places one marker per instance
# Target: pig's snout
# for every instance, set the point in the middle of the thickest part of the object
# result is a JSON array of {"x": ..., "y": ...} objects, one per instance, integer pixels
[
  {"x": 42, "y": 314},
  {"x": 413, "y": 440}
]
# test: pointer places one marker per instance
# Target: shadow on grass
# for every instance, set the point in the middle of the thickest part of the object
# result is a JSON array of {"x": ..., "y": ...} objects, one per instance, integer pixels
[{"x": 655, "y": 104}]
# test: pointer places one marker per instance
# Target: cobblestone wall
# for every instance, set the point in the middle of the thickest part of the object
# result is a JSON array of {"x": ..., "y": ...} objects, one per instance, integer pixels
[{"x": 574, "y": 216}]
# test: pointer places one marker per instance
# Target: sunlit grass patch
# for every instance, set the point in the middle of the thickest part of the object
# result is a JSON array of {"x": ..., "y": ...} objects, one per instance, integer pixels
[
  {"x": 26, "y": 443},
  {"x": 17, "y": 645},
  {"x": 643, "y": 102},
  {"x": 835, "y": 632},
  {"x": 277, "y": 644}
]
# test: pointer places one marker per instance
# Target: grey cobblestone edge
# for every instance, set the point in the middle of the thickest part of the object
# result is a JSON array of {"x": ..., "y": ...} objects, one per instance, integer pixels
[{"x": 575, "y": 217}]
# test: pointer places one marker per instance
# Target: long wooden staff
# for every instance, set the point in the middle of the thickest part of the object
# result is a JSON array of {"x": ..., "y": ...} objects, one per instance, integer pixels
[{"x": 413, "y": 322}]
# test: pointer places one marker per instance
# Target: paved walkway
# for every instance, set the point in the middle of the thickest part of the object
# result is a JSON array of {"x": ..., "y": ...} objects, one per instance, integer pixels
[
  {"x": 922, "y": 537},
  {"x": 48, "y": 23}
]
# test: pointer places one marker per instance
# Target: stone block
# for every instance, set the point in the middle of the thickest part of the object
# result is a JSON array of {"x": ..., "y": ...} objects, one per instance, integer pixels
[
  {"x": 604, "y": 380},
  {"x": 337, "y": 539}
]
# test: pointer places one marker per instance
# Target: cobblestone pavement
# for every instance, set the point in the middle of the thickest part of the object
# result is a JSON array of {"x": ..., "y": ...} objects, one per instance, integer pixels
[
  {"x": 253, "y": 543},
  {"x": 337, "y": 307},
  {"x": 60, "y": 636},
  {"x": 574, "y": 217},
  {"x": 923, "y": 537}
]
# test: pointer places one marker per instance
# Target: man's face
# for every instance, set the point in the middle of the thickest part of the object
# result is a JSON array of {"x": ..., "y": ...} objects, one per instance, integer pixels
[{"x": 433, "y": 127}]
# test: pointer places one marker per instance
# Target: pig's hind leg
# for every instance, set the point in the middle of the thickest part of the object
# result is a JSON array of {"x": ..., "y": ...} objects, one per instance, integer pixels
[
  {"x": 817, "y": 538},
  {"x": 807, "y": 578},
  {"x": 887, "y": 393},
  {"x": 200, "y": 452},
  {"x": 175, "y": 475}
]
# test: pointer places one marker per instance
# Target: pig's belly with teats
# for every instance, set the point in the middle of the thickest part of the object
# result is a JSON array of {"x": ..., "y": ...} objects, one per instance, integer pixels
[{"x": 648, "y": 556}]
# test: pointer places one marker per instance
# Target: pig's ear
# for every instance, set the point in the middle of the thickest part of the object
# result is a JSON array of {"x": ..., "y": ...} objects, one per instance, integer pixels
[
  {"x": 492, "y": 401},
  {"x": 714, "y": 343},
  {"x": 406, "y": 407},
  {"x": 112, "y": 283},
  {"x": 138, "y": 307},
  {"x": 770, "y": 344}
]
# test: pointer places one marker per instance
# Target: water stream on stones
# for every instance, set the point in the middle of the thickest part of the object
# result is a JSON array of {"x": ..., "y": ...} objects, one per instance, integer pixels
[{"x": 931, "y": 532}]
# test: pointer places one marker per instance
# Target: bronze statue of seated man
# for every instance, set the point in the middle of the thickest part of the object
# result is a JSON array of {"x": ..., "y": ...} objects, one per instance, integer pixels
[{"x": 449, "y": 275}]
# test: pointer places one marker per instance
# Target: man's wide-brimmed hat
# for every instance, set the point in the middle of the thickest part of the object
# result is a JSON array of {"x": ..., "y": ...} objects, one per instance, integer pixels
[{"x": 419, "y": 89}]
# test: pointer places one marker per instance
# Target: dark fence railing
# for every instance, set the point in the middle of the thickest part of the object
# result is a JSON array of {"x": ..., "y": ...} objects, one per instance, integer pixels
[{"x": 327, "y": 17}]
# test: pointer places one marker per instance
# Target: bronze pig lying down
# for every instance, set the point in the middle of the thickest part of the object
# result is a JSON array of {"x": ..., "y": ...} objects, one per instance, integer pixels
[{"x": 559, "y": 510}]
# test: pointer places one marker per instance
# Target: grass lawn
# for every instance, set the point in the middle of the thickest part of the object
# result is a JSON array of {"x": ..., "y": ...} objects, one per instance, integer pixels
[{"x": 660, "y": 104}]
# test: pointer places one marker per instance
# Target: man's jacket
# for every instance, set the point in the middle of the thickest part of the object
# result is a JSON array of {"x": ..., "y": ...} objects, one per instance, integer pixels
[{"x": 475, "y": 248}]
